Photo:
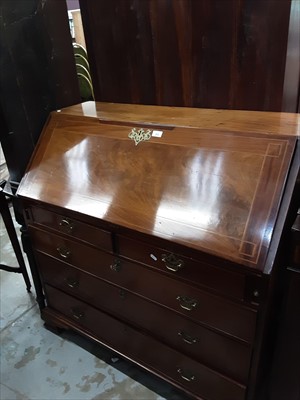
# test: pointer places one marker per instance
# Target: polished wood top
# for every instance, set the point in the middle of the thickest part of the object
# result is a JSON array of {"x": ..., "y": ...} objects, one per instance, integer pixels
[
  {"x": 233, "y": 120},
  {"x": 212, "y": 189}
]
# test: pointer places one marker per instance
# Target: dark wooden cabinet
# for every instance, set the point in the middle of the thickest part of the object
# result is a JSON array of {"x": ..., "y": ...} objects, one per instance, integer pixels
[
  {"x": 37, "y": 75},
  {"x": 285, "y": 382},
  {"x": 195, "y": 53},
  {"x": 286, "y": 366},
  {"x": 165, "y": 248}
]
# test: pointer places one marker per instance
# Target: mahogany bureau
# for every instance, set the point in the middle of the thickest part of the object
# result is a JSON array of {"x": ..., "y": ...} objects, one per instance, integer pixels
[{"x": 157, "y": 231}]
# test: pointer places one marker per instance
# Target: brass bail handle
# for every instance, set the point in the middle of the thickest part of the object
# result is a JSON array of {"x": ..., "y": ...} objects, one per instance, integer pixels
[
  {"x": 63, "y": 252},
  {"x": 76, "y": 313},
  {"x": 72, "y": 283},
  {"x": 187, "y": 338},
  {"x": 187, "y": 376},
  {"x": 187, "y": 303},
  {"x": 67, "y": 225},
  {"x": 172, "y": 262}
]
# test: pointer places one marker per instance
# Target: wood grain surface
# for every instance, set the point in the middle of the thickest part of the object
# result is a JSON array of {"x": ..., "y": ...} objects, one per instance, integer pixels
[
  {"x": 196, "y": 53},
  {"x": 213, "y": 190},
  {"x": 232, "y": 120}
]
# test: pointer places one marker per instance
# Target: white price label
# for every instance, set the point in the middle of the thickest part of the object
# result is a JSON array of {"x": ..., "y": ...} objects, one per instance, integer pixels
[{"x": 157, "y": 133}]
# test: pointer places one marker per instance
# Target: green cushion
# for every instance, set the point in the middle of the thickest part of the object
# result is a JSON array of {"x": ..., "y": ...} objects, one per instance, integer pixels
[
  {"x": 85, "y": 87},
  {"x": 78, "y": 49},
  {"x": 79, "y": 59},
  {"x": 82, "y": 70}
]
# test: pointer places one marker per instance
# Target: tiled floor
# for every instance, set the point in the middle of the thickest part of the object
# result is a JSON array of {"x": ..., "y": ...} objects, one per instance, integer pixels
[
  {"x": 3, "y": 168},
  {"x": 39, "y": 364}
]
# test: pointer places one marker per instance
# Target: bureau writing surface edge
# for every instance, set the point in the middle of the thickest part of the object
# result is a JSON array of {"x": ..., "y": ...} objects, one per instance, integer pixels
[{"x": 164, "y": 245}]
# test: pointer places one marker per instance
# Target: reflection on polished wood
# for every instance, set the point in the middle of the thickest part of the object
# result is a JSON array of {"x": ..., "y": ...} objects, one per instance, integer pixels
[
  {"x": 233, "y": 120},
  {"x": 173, "y": 242},
  {"x": 212, "y": 188}
]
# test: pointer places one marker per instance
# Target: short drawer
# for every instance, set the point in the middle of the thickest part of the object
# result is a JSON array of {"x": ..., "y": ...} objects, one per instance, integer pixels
[
  {"x": 72, "y": 227},
  {"x": 217, "y": 351},
  {"x": 182, "y": 371},
  {"x": 226, "y": 282},
  {"x": 81, "y": 255},
  {"x": 210, "y": 310}
]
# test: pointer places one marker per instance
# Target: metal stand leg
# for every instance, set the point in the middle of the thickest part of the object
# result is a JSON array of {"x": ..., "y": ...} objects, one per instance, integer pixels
[
  {"x": 7, "y": 219},
  {"x": 34, "y": 272}
]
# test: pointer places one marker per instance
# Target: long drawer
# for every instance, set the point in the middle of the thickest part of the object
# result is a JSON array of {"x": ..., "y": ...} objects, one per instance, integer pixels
[
  {"x": 148, "y": 352},
  {"x": 71, "y": 227},
  {"x": 210, "y": 310},
  {"x": 219, "y": 352},
  {"x": 224, "y": 281}
]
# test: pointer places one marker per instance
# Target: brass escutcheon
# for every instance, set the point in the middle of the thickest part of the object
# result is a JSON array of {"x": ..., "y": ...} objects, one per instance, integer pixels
[
  {"x": 116, "y": 266},
  {"x": 140, "y": 135}
]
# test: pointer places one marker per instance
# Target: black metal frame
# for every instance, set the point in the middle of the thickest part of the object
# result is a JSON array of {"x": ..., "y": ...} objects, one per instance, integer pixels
[{"x": 9, "y": 225}]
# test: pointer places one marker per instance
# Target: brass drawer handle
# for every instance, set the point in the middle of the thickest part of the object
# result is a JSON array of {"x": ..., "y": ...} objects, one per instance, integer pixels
[
  {"x": 77, "y": 314},
  {"x": 187, "y": 338},
  {"x": 67, "y": 225},
  {"x": 187, "y": 376},
  {"x": 116, "y": 266},
  {"x": 72, "y": 283},
  {"x": 63, "y": 252},
  {"x": 187, "y": 303},
  {"x": 171, "y": 261}
]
